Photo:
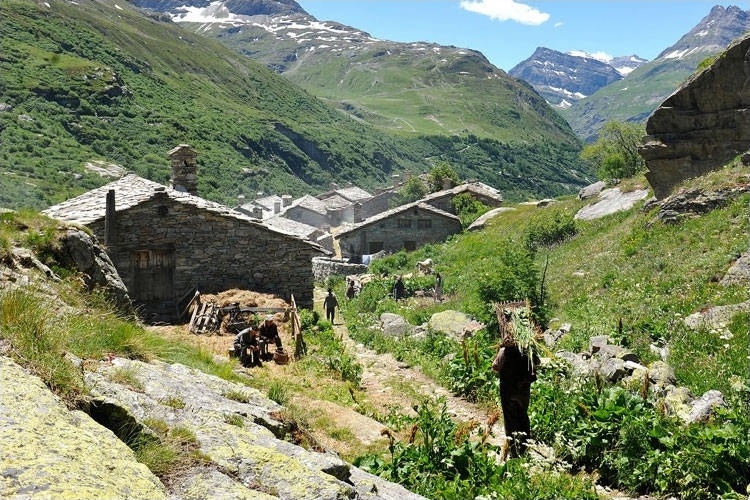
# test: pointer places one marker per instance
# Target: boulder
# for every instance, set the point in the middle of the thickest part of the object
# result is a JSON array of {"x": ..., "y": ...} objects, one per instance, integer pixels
[
  {"x": 702, "y": 408},
  {"x": 394, "y": 325},
  {"x": 611, "y": 201},
  {"x": 454, "y": 324},
  {"x": 83, "y": 252},
  {"x": 703, "y": 125},
  {"x": 591, "y": 190},
  {"x": 482, "y": 220}
]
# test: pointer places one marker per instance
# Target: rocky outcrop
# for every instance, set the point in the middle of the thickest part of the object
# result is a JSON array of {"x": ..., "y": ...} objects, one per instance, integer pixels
[
  {"x": 611, "y": 201},
  {"x": 703, "y": 125},
  {"x": 81, "y": 251},
  {"x": 51, "y": 452}
]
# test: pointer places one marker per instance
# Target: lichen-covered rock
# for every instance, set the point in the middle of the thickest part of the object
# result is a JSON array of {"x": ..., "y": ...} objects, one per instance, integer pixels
[
  {"x": 51, "y": 452},
  {"x": 235, "y": 429},
  {"x": 454, "y": 324}
]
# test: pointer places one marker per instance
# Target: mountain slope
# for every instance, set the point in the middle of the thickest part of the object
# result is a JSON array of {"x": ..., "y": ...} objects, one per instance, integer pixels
[
  {"x": 484, "y": 123},
  {"x": 636, "y": 96},
  {"x": 97, "y": 81},
  {"x": 411, "y": 88},
  {"x": 91, "y": 84}
]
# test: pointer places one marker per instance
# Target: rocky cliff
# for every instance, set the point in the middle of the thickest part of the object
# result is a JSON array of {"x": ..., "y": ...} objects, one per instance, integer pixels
[{"x": 703, "y": 125}]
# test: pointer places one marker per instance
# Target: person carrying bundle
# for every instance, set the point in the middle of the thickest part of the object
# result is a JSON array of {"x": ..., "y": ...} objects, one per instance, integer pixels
[{"x": 516, "y": 362}]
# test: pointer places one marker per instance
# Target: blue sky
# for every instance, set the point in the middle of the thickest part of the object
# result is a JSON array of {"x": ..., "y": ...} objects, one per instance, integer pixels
[{"x": 508, "y": 31}]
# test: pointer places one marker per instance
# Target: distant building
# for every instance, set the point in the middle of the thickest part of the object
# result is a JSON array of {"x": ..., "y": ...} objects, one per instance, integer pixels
[
  {"x": 166, "y": 243},
  {"x": 406, "y": 227},
  {"x": 477, "y": 190}
]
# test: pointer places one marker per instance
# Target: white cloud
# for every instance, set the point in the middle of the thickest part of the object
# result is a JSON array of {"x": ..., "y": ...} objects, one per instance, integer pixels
[{"x": 506, "y": 10}]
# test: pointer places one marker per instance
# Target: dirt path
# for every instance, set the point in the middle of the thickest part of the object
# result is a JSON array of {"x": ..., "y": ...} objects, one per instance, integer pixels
[{"x": 390, "y": 383}]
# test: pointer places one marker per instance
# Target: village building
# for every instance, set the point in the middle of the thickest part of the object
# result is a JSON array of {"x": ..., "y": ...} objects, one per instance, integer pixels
[
  {"x": 167, "y": 243},
  {"x": 406, "y": 227},
  {"x": 308, "y": 210},
  {"x": 479, "y": 191},
  {"x": 265, "y": 207}
]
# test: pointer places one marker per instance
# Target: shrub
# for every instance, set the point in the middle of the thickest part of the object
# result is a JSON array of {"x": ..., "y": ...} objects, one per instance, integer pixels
[{"x": 549, "y": 228}]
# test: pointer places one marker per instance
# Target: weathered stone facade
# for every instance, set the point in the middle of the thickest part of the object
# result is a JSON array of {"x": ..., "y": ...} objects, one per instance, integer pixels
[
  {"x": 407, "y": 227},
  {"x": 703, "y": 125},
  {"x": 323, "y": 268},
  {"x": 165, "y": 243}
]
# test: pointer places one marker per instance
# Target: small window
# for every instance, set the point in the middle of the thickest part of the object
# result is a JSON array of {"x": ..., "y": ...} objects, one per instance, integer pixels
[
  {"x": 424, "y": 223},
  {"x": 410, "y": 246},
  {"x": 375, "y": 246},
  {"x": 404, "y": 223}
]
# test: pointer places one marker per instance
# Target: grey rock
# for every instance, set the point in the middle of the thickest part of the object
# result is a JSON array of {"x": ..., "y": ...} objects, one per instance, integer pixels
[
  {"x": 702, "y": 408},
  {"x": 612, "y": 369},
  {"x": 591, "y": 190},
  {"x": 394, "y": 325},
  {"x": 454, "y": 324},
  {"x": 482, "y": 220},
  {"x": 611, "y": 201}
]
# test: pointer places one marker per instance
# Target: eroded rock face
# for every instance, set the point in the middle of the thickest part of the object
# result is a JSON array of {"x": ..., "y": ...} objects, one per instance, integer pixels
[
  {"x": 703, "y": 125},
  {"x": 51, "y": 452}
]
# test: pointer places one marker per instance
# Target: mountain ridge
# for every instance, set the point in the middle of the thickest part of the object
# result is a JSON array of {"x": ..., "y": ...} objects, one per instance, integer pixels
[{"x": 106, "y": 83}]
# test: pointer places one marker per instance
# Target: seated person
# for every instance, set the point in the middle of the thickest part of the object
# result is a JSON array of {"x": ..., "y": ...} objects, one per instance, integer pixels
[
  {"x": 269, "y": 333},
  {"x": 246, "y": 340}
]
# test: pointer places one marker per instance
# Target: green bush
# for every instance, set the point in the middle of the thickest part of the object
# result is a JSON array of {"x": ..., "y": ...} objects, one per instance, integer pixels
[
  {"x": 631, "y": 443},
  {"x": 549, "y": 228}
]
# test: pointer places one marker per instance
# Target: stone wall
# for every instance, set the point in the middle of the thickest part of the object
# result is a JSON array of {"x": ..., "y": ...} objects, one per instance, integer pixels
[
  {"x": 211, "y": 252},
  {"x": 702, "y": 126},
  {"x": 324, "y": 267}
]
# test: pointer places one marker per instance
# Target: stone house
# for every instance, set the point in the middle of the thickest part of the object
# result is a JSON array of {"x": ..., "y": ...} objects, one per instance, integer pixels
[
  {"x": 406, "y": 227},
  {"x": 477, "y": 190},
  {"x": 167, "y": 243},
  {"x": 343, "y": 204},
  {"x": 265, "y": 207},
  {"x": 308, "y": 210}
]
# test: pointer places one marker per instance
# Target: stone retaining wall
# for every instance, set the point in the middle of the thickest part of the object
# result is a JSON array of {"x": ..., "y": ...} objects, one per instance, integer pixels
[{"x": 323, "y": 268}]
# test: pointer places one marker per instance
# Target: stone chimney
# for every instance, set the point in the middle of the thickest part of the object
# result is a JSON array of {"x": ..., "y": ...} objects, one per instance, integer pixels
[
  {"x": 184, "y": 169},
  {"x": 276, "y": 206},
  {"x": 286, "y": 200},
  {"x": 447, "y": 183},
  {"x": 357, "y": 212},
  {"x": 395, "y": 178},
  {"x": 257, "y": 212}
]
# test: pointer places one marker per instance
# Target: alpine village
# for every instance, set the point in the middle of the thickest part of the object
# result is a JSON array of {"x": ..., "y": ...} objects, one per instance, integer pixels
[{"x": 251, "y": 254}]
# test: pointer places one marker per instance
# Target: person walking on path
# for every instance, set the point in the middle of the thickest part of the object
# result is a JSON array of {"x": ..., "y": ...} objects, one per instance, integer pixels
[
  {"x": 438, "y": 288},
  {"x": 399, "y": 290},
  {"x": 330, "y": 304}
]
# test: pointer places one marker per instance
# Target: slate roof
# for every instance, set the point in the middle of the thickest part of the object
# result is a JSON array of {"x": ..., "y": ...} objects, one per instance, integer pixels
[
  {"x": 132, "y": 190},
  {"x": 353, "y": 193},
  {"x": 309, "y": 202},
  {"x": 473, "y": 187},
  {"x": 336, "y": 201},
  {"x": 294, "y": 227},
  {"x": 395, "y": 211}
]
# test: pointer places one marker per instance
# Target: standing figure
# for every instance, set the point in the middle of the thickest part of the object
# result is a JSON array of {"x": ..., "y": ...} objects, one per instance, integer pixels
[
  {"x": 399, "y": 290},
  {"x": 330, "y": 304},
  {"x": 246, "y": 340},
  {"x": 517, "y": 372},
  {"x": 438, "y": 287},
  {"x": 268, "y": 333},
  {"x": 350, "y": 290}
]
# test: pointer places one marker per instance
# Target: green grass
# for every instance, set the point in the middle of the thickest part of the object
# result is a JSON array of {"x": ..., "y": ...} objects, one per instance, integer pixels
[{"x": 628, "y": 269}]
